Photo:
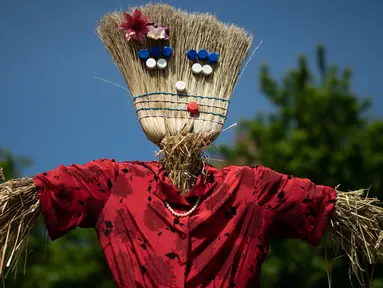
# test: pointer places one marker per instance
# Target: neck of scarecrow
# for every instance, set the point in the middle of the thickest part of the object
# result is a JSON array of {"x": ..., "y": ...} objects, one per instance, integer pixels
[{"x": 183, "y": 159}]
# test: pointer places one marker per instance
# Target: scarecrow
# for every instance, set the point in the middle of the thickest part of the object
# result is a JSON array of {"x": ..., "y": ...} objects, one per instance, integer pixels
[{"x": 178, "y": 221}]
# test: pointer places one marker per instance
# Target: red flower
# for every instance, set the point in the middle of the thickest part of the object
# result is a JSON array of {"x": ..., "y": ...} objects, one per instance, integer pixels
[{"x": 135, "y": 25}]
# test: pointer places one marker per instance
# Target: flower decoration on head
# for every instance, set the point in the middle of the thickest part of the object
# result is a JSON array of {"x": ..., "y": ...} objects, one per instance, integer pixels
[
  {"x": 135, "y": 26},
  {"x": 138, "y": 26},
  {"x": 157, "y": 32}
]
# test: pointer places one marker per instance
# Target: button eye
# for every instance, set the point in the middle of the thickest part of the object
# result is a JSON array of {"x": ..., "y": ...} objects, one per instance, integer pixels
[
  {"x": 201, "y": 56},
  {"x": 156, "y": 57},
  {"x": 162, "y": 63},
  {"x": 207, "y": 70},
  {"x": 196, "y": 68},
  {"x": 151, "y": 63}
]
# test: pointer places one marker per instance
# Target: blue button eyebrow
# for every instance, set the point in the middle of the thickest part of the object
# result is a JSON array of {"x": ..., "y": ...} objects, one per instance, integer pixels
[
  {"x": 155, "y": 51},
  {"x": 213, "y": 57},
  {"x": 192, "y": 55},
  {"x": 143, "y": 54},
  {"x": 167, "y": 52},
  {"x": 202, "y": 54}
]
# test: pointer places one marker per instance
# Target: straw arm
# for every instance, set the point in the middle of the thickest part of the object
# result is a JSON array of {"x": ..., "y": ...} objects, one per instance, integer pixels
[
  {"x": 356, "y": 228},
  {"x": 19, "y": 212}
]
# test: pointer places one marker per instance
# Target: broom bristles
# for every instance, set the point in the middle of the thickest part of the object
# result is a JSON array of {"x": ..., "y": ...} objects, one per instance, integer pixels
[
  {"x": 187, "y": 31},
  {"x": 356, "y": 228}
]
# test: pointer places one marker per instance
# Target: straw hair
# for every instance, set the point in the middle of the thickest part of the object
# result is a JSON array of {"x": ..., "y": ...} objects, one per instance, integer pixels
[{"x": 187, "y": 31}]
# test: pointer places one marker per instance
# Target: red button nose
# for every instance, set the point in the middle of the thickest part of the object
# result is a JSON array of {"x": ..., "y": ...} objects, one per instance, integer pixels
[{"x": 193, "y": 108}]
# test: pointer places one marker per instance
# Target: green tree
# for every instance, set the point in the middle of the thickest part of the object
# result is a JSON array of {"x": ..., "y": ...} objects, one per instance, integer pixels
[
  {"x": 76, "y": 260},
  {"x": 320, "y": 130},
  {"x": 12, "y": 165}
]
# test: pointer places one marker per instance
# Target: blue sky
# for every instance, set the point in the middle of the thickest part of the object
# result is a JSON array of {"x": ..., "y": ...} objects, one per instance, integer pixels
[{"x": 54, "y": 111}]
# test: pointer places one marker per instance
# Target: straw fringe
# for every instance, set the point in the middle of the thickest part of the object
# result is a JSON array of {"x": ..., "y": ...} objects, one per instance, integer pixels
[
  {"x": 19, "y": 212},
  {"x": 356, "y": 229}
]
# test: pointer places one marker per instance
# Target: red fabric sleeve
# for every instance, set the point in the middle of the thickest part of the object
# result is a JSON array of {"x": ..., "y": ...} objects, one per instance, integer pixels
[
  {"x": 293, "y": 207},
  {"x": 73, "y": 196}
]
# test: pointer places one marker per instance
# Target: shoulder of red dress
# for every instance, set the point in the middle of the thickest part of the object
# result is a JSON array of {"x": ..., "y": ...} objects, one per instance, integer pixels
[
  {"x": 141, "y": 163},
  {"x": 239, "y": 167},
  {"x": 154, "y": 166}
]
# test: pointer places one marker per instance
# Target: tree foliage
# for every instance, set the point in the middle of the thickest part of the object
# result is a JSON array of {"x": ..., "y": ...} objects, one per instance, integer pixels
[
  {"x": 12, "y": 165},
  {"x": 319, "y": 130}
]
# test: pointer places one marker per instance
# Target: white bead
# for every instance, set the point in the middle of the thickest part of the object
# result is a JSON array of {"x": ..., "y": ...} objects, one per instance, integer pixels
[
  {"x": 207, "y": 70},
  {"x": 196, "y": 68},
  {"x": 162, "y": 63},
  {"x": 151, "y": 63},
  {"x": 180, "y": 86}
]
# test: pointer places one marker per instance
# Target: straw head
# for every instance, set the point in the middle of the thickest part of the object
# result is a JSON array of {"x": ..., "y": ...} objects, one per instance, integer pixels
[{"x": 201, "y": 105}]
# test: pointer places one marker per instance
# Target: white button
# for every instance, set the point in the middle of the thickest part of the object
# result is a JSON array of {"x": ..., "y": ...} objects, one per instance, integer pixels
[
  {"x": 207, "y": 70},
  {"x": 180, "y": 86},
  {"x": 162, "y": 63},
  {"x": 151, "y": 63},
  {"x": 196, "y": 68}
]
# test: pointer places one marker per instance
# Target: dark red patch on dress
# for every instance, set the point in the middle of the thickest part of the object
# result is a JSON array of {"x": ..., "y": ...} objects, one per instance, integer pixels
[
  {"x": 181, "y": 246},
  {"x": 161, "y": 271},
  {"x": 93, "y": 174},
  {"x": 202, "y": 261},
  {"x": 64, "y": 194},
  {"x": 124, "y": 261},
  {"x": 217, "y": 199},
  {"x": 247, "y": 177},
  {"x": 141, "y": 171},
  {"x": 122, "y": 187},
  {"x": 124, "y": 225},
  {"x": 153, "y": 216}
]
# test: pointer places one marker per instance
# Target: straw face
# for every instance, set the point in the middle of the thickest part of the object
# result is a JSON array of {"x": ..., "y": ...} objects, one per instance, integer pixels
[{"x": 163, "y": 94}]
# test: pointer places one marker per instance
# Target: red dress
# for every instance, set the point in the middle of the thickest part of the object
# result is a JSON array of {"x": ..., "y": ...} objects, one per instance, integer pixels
[{"x": 222, "y": 244}]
